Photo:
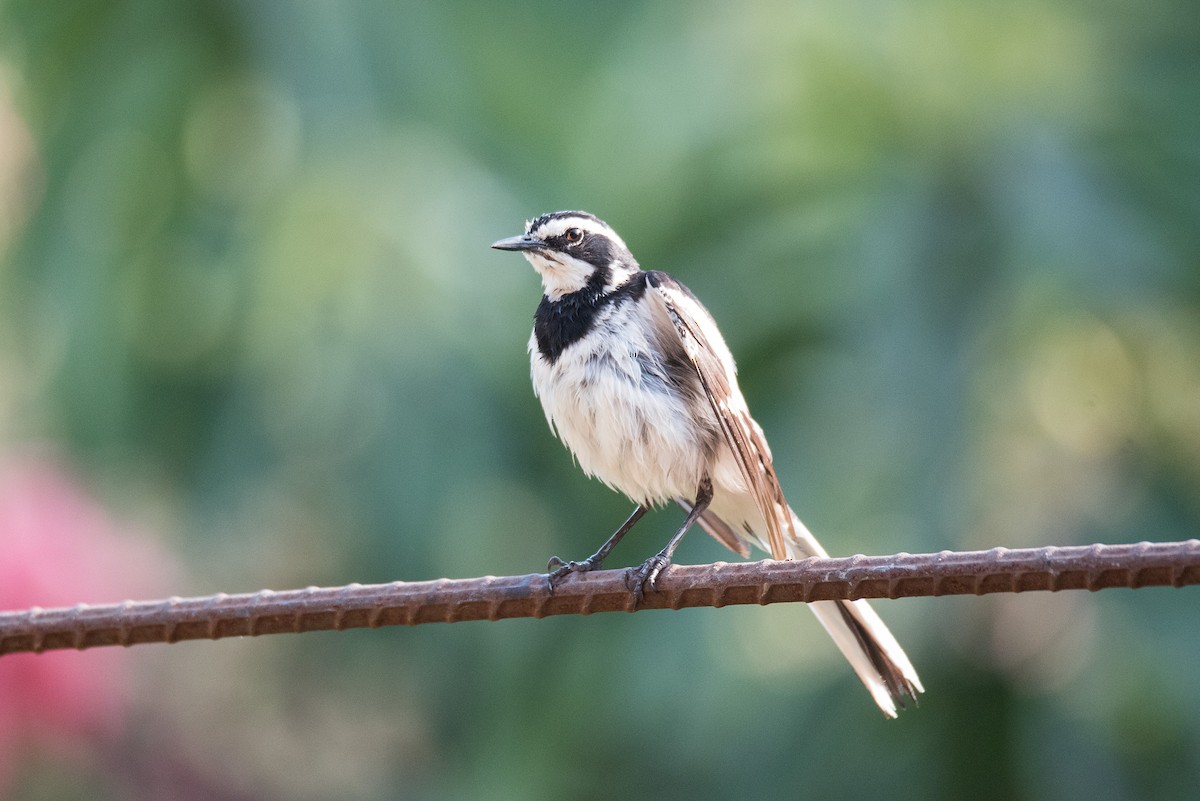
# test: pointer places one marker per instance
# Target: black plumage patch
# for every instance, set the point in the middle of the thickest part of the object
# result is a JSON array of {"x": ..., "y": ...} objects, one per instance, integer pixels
[
  {"x": 558, "y": 324},
  {"x": 558, "y": 215},
  {"x": 595, "y": 249}
]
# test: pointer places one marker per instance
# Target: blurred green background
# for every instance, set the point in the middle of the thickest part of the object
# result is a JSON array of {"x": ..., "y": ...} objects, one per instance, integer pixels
[{"x": 246, "y": 298}]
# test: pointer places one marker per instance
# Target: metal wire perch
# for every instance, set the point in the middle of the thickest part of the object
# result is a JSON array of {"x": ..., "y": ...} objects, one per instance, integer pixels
[{"x": 1093, "y": 567}]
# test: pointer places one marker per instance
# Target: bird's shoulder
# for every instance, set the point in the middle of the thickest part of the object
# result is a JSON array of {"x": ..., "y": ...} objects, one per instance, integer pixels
[
  {"x": 669, "y": 284},
  {"x": 691, "y": 320}
]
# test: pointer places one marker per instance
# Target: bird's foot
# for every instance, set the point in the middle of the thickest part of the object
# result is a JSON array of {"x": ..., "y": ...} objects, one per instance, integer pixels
[
  {"x": 645, "y": 576},
  {"x": 558, "y": 570}
]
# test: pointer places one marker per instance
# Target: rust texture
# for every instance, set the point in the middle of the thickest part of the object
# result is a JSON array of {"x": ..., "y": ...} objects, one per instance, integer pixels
[{"x": 1093, "y": 567}]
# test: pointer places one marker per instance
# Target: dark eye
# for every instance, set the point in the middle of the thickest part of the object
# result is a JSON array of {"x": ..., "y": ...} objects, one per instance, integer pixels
[{"x": 573, "y": 236}]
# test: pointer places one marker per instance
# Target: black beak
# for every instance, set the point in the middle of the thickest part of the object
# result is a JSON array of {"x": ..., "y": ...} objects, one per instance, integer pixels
[{"x": 523, "y": 242}]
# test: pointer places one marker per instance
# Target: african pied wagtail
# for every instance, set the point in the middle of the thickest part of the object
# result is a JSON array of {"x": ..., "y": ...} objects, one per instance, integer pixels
[{"x": 636, "y": 379}]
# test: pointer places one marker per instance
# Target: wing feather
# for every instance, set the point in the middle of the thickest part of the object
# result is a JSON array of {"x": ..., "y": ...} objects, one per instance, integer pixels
[{"x": 709, "y": 356}]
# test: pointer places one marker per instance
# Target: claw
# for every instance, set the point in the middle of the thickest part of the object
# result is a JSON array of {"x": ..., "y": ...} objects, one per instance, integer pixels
[
  {"x": 564, "y": 569},
  {"x": 644, "y": 576}
]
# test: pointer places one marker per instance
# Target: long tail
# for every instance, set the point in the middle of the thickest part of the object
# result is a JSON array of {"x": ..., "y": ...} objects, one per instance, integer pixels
[{"x": 863, "y": 639}]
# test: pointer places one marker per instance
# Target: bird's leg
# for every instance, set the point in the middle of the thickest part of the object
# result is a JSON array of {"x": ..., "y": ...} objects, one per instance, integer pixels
[
  {"x": 639, "y": 578},
  {"x": 563, "y": 569}
]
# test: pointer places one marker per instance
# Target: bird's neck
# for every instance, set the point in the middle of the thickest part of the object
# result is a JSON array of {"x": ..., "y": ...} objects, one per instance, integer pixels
[
  {"x": 561, "y": 322},
  {"x": 563, "y": 275}
]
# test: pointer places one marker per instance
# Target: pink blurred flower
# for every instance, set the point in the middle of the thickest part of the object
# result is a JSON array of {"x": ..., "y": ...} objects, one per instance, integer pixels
[{"x": 59, "y": 547}]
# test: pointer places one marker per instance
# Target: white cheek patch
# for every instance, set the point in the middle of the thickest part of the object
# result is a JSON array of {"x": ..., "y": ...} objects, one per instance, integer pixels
[{"x": 561, "y": 275}]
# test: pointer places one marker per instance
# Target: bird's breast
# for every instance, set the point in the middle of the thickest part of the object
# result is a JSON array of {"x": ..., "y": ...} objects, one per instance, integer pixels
[{"x": 620, "y": 405}]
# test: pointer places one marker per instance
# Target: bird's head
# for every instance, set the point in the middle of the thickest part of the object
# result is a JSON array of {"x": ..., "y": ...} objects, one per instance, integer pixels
[{"x": 573, "y": 250}]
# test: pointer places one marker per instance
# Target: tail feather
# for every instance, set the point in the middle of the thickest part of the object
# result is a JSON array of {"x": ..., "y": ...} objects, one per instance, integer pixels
[
  {"x": 718, "y": 529},
  {"x": 872, "y": 651},
  {"x": 863, "y": 639},
  {"x": 857, "y": 631}
]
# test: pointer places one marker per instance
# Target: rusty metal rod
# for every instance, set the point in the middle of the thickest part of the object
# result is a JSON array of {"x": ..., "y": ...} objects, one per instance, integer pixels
[{"x": 1093, "y": 567}]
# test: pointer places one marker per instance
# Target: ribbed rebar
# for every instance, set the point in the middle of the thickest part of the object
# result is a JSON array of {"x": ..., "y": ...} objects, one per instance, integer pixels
[{"x": 1093, "y": 567}]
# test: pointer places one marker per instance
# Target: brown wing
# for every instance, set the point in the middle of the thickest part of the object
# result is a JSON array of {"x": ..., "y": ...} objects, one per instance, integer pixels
[{"x": 709, "y": 355}]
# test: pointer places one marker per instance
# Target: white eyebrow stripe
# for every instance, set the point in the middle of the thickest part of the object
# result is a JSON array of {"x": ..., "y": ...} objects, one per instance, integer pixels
[{"x": 559, "y": 226}]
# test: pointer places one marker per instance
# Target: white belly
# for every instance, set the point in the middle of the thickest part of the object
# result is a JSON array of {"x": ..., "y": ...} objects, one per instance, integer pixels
[{"x": 623, "y": 426}]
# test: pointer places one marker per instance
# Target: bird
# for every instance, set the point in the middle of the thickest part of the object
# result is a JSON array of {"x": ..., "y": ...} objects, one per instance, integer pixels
[{"x": 636, "y": 380}]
